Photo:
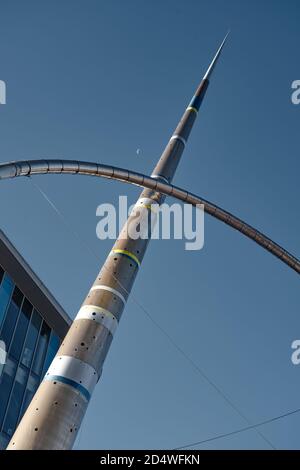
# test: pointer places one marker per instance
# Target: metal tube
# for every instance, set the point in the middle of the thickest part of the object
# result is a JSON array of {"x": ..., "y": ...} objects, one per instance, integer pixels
[{"x": 8, "y": 170}]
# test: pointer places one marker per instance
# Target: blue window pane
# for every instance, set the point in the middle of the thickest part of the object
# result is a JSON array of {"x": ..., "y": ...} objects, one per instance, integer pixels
[
  {"x": 30, "y": 342},
  {"x": 41, "y": 349},
  {"x": 32, "y": 385},
  {"x": 5, "y": 293},
  {"x": 4, "y": 440},
  {"x": 21, "y": 329},
  {"x": 6, "y": 383},
  {"x": 11, "y": 317},
  {"x": 52, "y": 350},
  {"x": 15, "y": 400}
]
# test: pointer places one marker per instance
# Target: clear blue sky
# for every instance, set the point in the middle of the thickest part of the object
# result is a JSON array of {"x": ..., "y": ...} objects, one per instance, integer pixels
[{"x": 95, "y": 80}]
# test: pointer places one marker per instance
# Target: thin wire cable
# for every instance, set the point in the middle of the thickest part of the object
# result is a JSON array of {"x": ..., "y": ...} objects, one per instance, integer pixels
[
  {"x": 247, "y": 428},
  {"x": 203, "y": 374},
  {"x": 149, "y": 316}
]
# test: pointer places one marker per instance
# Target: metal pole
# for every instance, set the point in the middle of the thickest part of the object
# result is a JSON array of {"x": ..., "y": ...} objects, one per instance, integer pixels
[{"x": 55, "y": 413}]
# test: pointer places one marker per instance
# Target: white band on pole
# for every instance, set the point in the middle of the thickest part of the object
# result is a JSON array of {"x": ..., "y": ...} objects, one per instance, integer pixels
[{"x": 99, "y": 315}]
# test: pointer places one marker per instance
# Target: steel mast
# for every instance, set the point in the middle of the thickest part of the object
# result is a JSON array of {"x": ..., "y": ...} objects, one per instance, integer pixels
[{"x": 55, "y": 413}]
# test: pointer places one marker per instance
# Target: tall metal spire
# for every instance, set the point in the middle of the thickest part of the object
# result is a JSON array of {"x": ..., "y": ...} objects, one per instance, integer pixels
[
  {"x": 53, "y": 418},
  {"x": 167, "y": 164},
  {"x": 214, "y": 61}
]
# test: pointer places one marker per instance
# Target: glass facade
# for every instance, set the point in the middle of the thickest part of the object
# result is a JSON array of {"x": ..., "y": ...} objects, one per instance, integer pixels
[{"x": 30, "y": 344}]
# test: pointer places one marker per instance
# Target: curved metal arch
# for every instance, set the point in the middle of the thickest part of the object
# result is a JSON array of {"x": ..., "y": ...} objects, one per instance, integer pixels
[{"x": 51, "y": 166}]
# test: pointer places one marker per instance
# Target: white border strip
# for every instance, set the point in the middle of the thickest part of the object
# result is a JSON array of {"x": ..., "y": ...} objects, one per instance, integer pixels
[
  {"x": 109, "y": 289},
  {"x": 99, "y": 315}
]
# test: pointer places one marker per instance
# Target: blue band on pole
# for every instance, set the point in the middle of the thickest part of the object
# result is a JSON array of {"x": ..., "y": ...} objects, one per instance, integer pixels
[
  {"x": 72, "y": 383},
  {"x": 196, "y": 102}
]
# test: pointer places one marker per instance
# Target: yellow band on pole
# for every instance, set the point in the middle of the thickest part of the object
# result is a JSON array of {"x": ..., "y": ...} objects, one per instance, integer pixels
[
  {"x": 127, "y": 253},
  {"x": 190, "y": 108}
]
